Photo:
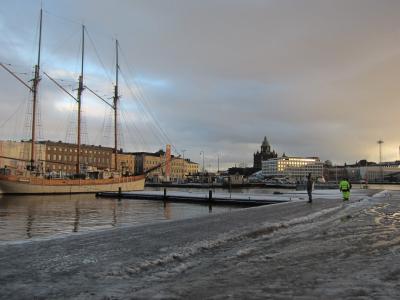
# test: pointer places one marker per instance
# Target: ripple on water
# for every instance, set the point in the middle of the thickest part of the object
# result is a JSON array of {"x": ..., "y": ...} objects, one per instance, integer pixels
[{"x": 30, "y": 217}]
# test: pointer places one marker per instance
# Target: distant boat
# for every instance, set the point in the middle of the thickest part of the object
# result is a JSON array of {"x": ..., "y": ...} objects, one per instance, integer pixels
[{"x": 34, "y": 183}]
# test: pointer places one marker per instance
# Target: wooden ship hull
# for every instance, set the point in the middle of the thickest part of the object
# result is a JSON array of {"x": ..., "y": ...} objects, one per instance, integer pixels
[{"x": 32, "y": 185}]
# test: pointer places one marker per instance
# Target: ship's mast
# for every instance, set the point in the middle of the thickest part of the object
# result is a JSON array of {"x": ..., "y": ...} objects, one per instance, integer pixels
[
  {"x": 79, "y": 100},
  {"x": 116, "y": 97},
  {"x": 35, "y": 84}
]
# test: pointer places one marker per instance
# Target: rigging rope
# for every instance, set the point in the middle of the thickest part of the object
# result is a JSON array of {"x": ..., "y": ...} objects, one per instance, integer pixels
[
  {"x": 142, "y": 102},
  {"x": 61, "y": 18},
  {"x": 134, "y": 125},
  {"x": 154, "y": 130},
  {"x": 142, "y": 98},
  {"x": 98, "y": 56},
  {"x": 12, "y": 115}
]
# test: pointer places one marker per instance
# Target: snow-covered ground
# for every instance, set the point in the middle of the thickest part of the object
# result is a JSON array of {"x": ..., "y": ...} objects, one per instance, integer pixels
[{"x": 324, "y": 250}]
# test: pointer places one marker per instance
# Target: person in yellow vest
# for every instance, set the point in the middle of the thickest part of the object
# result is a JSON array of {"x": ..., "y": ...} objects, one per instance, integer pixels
[{"x": 345, "y": 187}]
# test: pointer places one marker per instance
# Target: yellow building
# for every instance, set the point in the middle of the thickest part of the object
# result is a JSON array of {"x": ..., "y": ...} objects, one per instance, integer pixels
[
  {"x": 154, "y": 165},
  {"x": 125, "y": 163},
  {"x": 191, "y": 168},
  {"x": 147, "y": 162},
  {"x": 177, "y": 169}
]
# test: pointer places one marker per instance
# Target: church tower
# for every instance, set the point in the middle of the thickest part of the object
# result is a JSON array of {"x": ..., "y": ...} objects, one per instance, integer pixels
[
  {"x": 265, "y": 147},
  {"x": 265, "y": 154}
]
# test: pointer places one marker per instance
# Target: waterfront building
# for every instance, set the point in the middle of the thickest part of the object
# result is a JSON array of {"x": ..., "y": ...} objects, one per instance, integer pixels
[
  {"x": 155, "y": 165},
  {"x": 57, "y": 157},
  {"x": 125, "y": 163},
  {"x": 191, "y": 167},
  {"x": 371, "y": 172},
  {"x": 336, "y": 173},
  {"x": 62, "y": 157},
  {"x": 15, "y": 155},
  {"x": 150, "y": 162},
  {"x": 265, "y": 154},
  {"x": 292, "y": 167}
]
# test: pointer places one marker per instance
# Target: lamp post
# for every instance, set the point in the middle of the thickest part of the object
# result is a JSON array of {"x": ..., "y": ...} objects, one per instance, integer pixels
[
  {"x": 202, "y": 153},
  {"x": 183, "y": 153},
  {"x": 202, "y": 173},
  {"x": 184, "y": 168},
  {"x": 380, "y": 142}
]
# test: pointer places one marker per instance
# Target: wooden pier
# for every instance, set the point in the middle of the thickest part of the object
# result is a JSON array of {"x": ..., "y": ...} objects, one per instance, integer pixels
[{"x": 196, "y": 197}]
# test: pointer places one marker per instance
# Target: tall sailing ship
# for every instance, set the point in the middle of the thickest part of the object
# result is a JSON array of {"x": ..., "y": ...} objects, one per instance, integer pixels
[{"x": 34, "y": 180}]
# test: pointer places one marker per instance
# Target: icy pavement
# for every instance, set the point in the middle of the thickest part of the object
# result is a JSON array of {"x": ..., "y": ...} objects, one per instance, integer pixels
[{"x": 326, "y": 250}]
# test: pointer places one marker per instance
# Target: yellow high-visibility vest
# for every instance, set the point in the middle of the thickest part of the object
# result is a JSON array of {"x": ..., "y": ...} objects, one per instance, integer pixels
[{"x": 344, "y": 186}]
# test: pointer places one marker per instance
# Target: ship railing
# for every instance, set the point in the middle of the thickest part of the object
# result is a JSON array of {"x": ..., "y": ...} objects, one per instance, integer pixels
[{"x": 60, "y": 181}]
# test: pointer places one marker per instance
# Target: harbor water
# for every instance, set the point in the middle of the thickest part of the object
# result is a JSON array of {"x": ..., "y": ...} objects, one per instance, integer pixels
[
  {"x": 24, "y": 218},
  {"x": 36, "y": 217}
]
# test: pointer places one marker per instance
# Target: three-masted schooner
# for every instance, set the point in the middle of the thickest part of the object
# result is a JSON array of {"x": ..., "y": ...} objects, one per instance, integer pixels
[{"x": 34, "y": 183}]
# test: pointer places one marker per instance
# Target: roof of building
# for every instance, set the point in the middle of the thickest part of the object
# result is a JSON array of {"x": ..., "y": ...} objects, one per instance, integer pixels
[
  {"x": 265, "y": 142},
  {"x": 61, "y": 143}
]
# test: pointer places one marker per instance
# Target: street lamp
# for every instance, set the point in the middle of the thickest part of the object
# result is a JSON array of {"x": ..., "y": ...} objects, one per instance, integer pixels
[
  {"x": 380, "y": 142},
  {"x": 183, "y": 153},
  {"x": 184, "y": 166},
  {"x": 202, "y": 153},
  {"x": 202, "y": 173}
]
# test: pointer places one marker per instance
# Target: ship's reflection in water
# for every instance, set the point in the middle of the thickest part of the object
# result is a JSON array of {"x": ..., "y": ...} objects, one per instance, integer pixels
[{"x": 28, "y": 217}]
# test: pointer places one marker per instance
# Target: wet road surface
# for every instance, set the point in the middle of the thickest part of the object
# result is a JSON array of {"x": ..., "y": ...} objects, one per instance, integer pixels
[{"x": 326, "y": 250}]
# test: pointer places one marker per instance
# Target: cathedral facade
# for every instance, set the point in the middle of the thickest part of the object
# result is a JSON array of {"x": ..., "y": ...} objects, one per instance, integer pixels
[{"x": 265, "y": 154}]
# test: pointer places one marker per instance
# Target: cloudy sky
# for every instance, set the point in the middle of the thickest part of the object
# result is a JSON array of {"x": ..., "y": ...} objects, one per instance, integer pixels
[{"x": 318, "y": 78}]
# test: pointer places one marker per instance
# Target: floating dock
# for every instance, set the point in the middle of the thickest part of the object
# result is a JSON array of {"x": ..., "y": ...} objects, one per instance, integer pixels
[{"x": 198, "y": 197}]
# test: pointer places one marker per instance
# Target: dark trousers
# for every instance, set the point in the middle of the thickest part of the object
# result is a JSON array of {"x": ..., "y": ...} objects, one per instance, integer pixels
[{"x": 309, "y": 195}]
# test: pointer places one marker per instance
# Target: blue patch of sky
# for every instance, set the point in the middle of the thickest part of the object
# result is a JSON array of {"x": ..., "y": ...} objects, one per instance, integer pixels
[{"x": 151, "y": 81}]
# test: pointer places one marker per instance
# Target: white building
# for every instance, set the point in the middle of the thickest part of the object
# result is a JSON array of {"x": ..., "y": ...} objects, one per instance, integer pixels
[
  {"x": 377, "y": 173},
  {"x": 293, "y": 167}
]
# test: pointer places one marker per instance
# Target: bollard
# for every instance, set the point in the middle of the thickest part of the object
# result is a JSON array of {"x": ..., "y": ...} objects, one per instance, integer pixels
[
  {"x": 165, "y": 195},
  {"x": 119, "y": 193},
  {"x": 209, "y": 201}
]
